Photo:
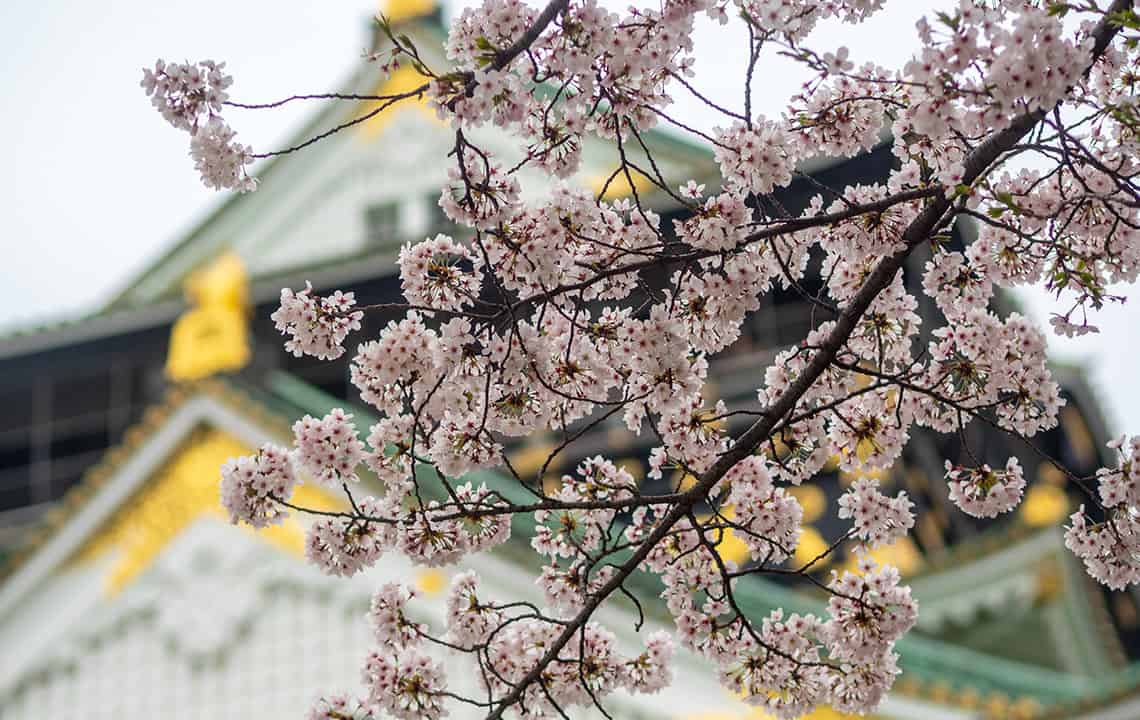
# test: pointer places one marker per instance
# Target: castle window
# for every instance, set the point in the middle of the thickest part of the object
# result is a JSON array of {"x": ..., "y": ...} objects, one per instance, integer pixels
[{"x": 382, "y": 224}]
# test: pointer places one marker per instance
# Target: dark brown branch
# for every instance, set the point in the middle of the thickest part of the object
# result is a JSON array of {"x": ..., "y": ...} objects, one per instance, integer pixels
[{"x": 919, "y": 231}]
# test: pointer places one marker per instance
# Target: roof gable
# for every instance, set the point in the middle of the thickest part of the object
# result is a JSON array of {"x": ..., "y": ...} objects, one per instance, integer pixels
[
  {"x": 312, "y": 206},
  {"x": 158, "y": 462}
]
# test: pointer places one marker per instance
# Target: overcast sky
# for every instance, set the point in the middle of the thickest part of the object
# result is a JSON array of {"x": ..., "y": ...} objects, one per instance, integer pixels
[{"x": 94, "y": 184}]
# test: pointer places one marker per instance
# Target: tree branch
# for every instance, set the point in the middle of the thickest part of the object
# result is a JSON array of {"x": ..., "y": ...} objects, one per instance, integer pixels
[{"x": 919, "y": 231}]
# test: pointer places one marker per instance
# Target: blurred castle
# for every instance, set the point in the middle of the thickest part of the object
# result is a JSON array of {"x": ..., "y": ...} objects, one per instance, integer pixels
[{"x": 124, "y": 592}]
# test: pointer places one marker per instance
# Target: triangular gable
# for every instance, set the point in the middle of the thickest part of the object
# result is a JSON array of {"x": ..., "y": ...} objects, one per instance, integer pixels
[
  {"x": 214, "y": 602},
  {"x": 312, "y": 206},
  {"x": 114, "y": 523}
]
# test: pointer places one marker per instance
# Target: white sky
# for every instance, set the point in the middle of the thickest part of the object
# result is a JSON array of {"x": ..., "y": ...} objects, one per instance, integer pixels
[{"x": 94, "y": 185}]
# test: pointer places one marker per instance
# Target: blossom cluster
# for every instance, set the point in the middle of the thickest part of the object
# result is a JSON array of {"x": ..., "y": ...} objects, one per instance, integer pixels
[
  {"x": 439, "y": 273},
  {"x": 1110, "y": 548},
  {"x": 562, "y": 314},
  {"x": 789, "y": 665},
  {"x": 405, "y": 680},
  {"x": 981, "y": 361},
  {"x": 980, "y": 67},
  {"x": 876, "y": 518},
  {"x": 983, "y": 491},
  {"x": 316, "y": 325},
  {"x": 570, "y": 539},
  {"x": 795, "y": 20},
  {"x": 754, "y": 160},
  {"x": 328, "y": 449},
  {"x": 187, "y": 93},
  {"x": 766, "y": 516},
  {"x": 253, "y": 486},
  {"x": 190, "y": 96},
  {"x": 345, "y": 545}
]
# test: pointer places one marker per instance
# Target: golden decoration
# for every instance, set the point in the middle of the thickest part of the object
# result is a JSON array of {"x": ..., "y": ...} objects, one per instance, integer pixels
[
  {"x": 404, "y": 80},
  {"x": 811, "y": 546},
  {"x": 940, "y": 692},
  {"x": 212, "y": 336},
  {"x": 1044, "y": 505},
  {"x": 1025, "y": 708},
  {"x": 430, "y": 582},
  {"x": 728, "y": 544},
  {"x": 178, "y": 494},
  {"x": 528, "y": 459},
  {"x": 902, "y": 553},
  {"x": 811, "y": 499},
  {"x": 1050, "y": 581},
  {"x": 968, "y": 699},
  {"x": 1049, "y": 473},
  {"x": 398, "y": 11},
  {"x": 996, "y": 706},
  {"x": 620, "y": 186}
]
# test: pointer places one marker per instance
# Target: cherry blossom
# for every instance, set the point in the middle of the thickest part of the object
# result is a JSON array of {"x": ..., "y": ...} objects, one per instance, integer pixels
[
  {"x": 186, "y": 93},
  {"x": 983, "y": 491},
  {"x": 254, "y": 485},
  {"x": 219, "y": 159},
  {"x": 339, "y": 707},
  {"x": 191, "y": 97},
  {"x": 328, "y": 449},
  {"x": 406, "y": 684},
  {"x": 1110, "y": 548},
  {"x": 876, "y": 518},
  {"x": 556, "y": 312},
  {"x": 470, "y": 620},
  {"x": 438, "y": 272},
  {"x": 757, "y": 159},
  {"x": 389, "y": 619},
  {"x": 315, "y": 325},
  {"x": 344, "y": 545}
]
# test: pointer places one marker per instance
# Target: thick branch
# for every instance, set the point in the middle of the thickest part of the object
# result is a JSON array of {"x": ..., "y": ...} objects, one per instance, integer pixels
[{"x": 919, "y": 231}]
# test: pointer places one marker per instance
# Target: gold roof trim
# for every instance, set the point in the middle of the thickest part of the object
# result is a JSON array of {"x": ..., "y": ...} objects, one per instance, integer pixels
[
  {"x": 398, "y": 11},
  {"x": 994, "y": 705},
  {"x": 96, "y": 477}
]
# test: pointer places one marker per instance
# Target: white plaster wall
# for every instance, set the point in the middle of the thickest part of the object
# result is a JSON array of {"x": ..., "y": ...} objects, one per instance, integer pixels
[{"x": 226, "y": 627}]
